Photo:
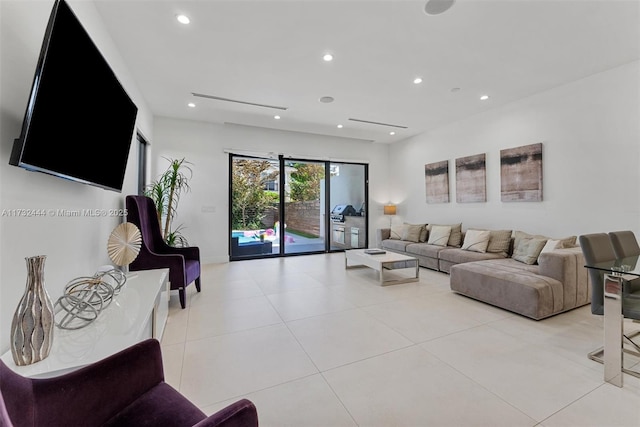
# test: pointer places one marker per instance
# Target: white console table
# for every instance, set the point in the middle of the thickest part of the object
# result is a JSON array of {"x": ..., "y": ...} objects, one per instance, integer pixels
[{"x": 138, "y": 312}]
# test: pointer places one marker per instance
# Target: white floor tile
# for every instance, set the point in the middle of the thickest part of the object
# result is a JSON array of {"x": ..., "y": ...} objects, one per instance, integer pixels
[
  {"x": 427, "y": 317},
  {"x": 305, "y": 402},
  {"x": 223, "y": 367},
  {"x": 226, "y": 316},
  {"x": 607, "y": 405},
  {"x": 226, "y": 290},
  {"x": 273, "y": 284},
  {"x": 313, "y": 344},
  {"x": 336, "y": 339},
  {"x": 175, "y": 330},
  {"x": 172, "y": 358},
  {"x": 409, "y": 387},
  {"x": 308, "y": 302},
  {"x": 532, "y": 378}
]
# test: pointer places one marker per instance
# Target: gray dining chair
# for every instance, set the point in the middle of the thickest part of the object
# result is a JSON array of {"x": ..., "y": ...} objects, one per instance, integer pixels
[
  {"x": 598, "y": 248},
  {"x": 624, "y": 243}
]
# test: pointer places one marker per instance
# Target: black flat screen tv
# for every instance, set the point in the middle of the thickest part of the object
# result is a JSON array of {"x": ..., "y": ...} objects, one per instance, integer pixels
[{"x": 79, "y": 121}]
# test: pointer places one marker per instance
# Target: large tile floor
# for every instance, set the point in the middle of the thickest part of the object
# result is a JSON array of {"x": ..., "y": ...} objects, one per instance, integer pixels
[{"x": 313, "y": 344}]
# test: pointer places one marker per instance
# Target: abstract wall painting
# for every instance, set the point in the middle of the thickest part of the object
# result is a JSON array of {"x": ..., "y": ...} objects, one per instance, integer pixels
[
  {"x": 436, "y": 179},
  {"x": 521, "y": 174},
  {"x": 471, "y": 179}
]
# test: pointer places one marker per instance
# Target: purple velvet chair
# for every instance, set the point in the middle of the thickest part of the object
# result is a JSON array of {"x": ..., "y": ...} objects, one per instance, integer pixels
[
  {"x": 125, "y": 389},
  {"x": 183, "y": 263}
]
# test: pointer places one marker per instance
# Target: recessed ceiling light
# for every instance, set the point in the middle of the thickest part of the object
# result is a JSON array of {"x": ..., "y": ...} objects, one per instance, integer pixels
[
  {"x": 276, "y": 117},
  {"x": 191, "y": 105},
  {"x": 417, "y": 80},
  {"x": 339, "y": 126},
  {"x": 436, "y": 7},
  {"x": 327, "y": 99},
  {"x": 327, "y": 57},
  {"x": 455, "y": 89},
  {"x": 183, "y": 19},
  {"x": 392, "y": 133},
  {"x": 484, "y": 97}
]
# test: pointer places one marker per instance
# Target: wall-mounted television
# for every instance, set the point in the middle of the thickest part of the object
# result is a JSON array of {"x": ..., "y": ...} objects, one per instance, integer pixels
[{"x": 79, "y": 122}]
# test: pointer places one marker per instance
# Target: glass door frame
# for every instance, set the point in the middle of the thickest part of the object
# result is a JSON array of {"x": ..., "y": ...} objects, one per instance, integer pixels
[{"x": 328, "y": 224}]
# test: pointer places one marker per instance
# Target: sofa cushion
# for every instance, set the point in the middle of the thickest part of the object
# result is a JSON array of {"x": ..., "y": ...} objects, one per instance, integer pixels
[
  {"x": 566, "y": 242},
  {"x": 459, "y": 255},
  {"x": 412, "y": 232},
  {"x": 499, "y": 241},
  {"x": 439, "y": 235},
  {"x": 424, "y": 234},
  {"x": 395, "y": 245},
  {"x": 424, "y": 249},
  {"x": 549, "y": 246},
  {"x": 509, "y": 284},
  {"x": 527, "y": 249},
  {"x": 455, "y": 238},
  {"x": 397, "y": 231},
  {"x": 476, "y": 240}
]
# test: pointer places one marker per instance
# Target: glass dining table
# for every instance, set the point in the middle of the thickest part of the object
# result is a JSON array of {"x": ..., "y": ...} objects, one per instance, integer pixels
[{"x": 621, "y": 300}]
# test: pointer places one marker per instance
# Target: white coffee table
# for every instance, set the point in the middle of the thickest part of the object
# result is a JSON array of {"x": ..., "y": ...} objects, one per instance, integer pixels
[{"x": 387, "y": 262}]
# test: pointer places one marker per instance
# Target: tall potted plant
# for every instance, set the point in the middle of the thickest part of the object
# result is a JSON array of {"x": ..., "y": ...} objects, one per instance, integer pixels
[{"x": 165, "y": 192}]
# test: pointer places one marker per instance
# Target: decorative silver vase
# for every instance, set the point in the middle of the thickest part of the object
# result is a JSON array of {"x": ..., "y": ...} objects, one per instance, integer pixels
[{"x": 33, "y": 321}]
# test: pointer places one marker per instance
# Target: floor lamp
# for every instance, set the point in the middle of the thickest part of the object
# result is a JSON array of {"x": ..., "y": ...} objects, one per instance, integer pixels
[{"x": 390, "y": 210}]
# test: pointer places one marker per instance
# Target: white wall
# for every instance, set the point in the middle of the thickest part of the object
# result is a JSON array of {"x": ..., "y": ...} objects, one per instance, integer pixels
[
  {"x": 347, "y": 188},
  {"x": 73, "y": 246},
  {"x": 204, "y": 210},
  {"x": 590, "y": 130}
]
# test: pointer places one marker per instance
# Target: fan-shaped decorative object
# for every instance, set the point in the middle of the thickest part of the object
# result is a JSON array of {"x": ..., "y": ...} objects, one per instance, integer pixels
[{"x": 124, "y": 243}]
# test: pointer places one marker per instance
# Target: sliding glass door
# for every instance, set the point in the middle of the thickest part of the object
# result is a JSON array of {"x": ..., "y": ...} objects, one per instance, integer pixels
[
  {"x": 304, "y": 206},
  {"x": 348, "y": 199},
  {"x": 254, "y": 205},
  {"x": 288, "y": 206}
]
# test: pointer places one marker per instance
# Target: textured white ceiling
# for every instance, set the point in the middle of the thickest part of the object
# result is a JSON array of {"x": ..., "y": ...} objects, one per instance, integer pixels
[{"x": 270, "y": 52}]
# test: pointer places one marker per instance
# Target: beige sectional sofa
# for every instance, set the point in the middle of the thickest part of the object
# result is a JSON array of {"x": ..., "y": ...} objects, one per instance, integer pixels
[{"x": 516, "y": 271}]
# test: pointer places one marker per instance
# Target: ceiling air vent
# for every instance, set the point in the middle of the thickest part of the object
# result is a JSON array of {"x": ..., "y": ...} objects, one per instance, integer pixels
[
  {"x": 255, "y": 104},
  {"x": 378, "y": 123}
]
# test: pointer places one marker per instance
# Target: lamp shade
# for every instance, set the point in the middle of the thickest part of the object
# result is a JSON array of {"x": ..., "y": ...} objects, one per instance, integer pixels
[{"x": 389, "y": 209}]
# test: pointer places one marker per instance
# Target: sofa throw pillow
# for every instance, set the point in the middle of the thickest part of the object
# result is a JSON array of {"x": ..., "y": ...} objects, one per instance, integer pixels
[
  {"x": 565, "y": 242},
  {"x": 424, "y": 234},
  {"x": 549, "y": 246},
  {"x": 397, "y": 231},
  {"x": 568, "y": 242},
  {"x": 476, "y": 240},
  {"x": 439, "y": 235},
  {"x": 499, "y": 241},
  {"x": 455, "y": 238},
  {"x": 412, "y": 232},
  {"x": 527, "y": 249}
]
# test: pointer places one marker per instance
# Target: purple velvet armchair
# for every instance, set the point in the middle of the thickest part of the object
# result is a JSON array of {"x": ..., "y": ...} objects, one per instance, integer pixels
[
  {"x": 183, "y": 263},
  {"x": 125, "y": 389}
]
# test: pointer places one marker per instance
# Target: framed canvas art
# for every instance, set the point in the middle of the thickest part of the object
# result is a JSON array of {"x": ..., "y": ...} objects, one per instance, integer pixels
[
  {"x": 436, "y": 179},
  {"x": 521, "y": 174},
  {"x": 471, "y": 179}
]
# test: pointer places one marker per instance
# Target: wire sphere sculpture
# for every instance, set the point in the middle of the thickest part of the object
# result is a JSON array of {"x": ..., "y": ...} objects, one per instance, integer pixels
[{"x": 84, "y": 298}]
